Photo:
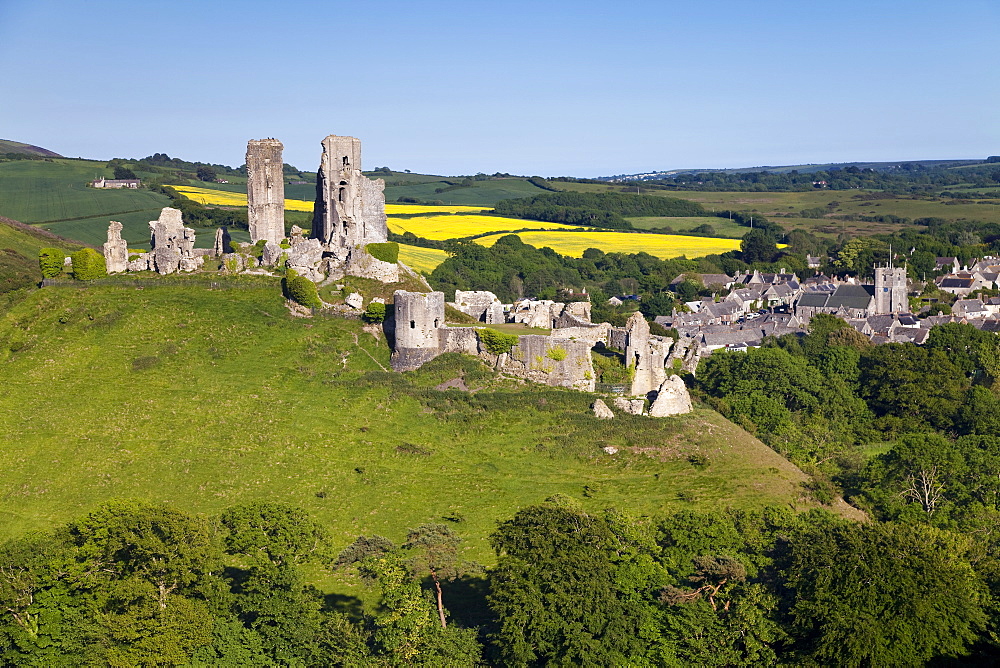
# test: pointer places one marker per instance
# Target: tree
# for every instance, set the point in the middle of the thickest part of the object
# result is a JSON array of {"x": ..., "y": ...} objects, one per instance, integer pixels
[
  {"x": 758, "y": 246},
  {"x": 917, "y": 386},
  {"x": 51, "y": 261},
  {"x": 883, "y": 594},
  {"x": 206, "y": 173},
  {"x": 88, "y": 265},
  {"x": 123, "y": 172},
  {"x": 434, "y": 549},
  {"x": 572, "y": 589}
]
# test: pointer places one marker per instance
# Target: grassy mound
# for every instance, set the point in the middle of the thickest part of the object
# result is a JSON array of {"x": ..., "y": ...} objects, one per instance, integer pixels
[{"x": 209, "y": 397}]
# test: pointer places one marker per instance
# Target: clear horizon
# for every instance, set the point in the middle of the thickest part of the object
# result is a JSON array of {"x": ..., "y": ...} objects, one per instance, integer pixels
[{"x": 556, "y": 89}]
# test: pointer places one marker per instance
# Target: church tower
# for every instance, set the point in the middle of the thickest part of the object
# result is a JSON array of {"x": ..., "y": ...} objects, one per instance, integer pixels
[{"x": 890, "y": 290}]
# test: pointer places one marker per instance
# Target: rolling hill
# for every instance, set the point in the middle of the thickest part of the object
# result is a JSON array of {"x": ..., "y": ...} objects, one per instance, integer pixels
[
  {"x": 205, "y": 398},
  {"x": 8, "y": 146}
]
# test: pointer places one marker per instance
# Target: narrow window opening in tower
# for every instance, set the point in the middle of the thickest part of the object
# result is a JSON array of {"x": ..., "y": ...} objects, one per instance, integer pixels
[
  {"x": 346, "y": 162},
  {"x": 340, "y": 195},
  {"x": 413, "y": 324},
  {"x": 435, "y": 322}
]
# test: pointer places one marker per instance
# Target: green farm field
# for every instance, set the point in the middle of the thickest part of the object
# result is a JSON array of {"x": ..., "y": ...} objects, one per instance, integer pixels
[
  {"x": 205, "y": 398},
  {"x": 42, "y": 192},
  {"x": 723, "y": 226}
]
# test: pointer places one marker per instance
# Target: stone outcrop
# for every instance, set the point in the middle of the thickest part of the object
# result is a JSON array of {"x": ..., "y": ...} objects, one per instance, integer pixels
[
  {"x": 305, "y": 257},
  {"x": 671, "y": 399},
  {"x": 354, "y": 300},
  {"x": 115, "y": 249},
  {"x": 222, "y": 240},
  {"x": 265, "y": 190},
  {"x": 630, "y": 406},
  {"x": 363, "y": 264},
  {"x": 601, "y": 410},
  {"x": 271, "y": 254},
  {"x": 172, "y": 244},
  {"x": 646, "y": 355},
  {"x": 482, "y": 305}
]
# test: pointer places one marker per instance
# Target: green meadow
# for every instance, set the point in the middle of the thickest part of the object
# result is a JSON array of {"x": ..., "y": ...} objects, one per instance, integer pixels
[{"x": 205, "y": 392}]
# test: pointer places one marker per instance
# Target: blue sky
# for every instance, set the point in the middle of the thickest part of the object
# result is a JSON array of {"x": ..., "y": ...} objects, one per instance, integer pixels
[{"x": 549, "y": 88}]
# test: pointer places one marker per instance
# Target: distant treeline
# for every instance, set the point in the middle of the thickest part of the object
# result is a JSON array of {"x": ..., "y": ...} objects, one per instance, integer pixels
[
  {"x": 605, "y": 210},
  {"x": 907, "y": 177}
]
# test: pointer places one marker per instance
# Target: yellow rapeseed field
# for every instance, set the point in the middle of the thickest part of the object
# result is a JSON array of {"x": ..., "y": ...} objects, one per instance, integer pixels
[
  {"x": 399, "y": 209},
  {"x": 421, "y": 259},
  {"x": 663, "y": 246},
  {"x": 456, "y": 226},
  {"x": 226, "y": 198}
]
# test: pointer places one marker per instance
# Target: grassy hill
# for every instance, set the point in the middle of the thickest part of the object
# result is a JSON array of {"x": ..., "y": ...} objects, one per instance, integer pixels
[
  {"x": 208, "y": 397},
  {"x": 19, "y": 246},
  {"x": 8, "y": 146},
  {"x": 54, "y": 195}
]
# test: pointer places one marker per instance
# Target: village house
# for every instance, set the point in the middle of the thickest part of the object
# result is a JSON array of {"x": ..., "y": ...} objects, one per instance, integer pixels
[{"x": 116, "y": 183}]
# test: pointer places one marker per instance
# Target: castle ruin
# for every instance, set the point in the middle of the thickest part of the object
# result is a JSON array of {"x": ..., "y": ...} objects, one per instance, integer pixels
[{"x": 265, "y": 190}]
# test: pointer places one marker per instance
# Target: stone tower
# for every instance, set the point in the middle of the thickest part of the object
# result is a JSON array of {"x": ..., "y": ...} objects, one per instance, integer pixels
[
  {"x": 265, "y": 190},
  {"x": 419, "y": 319},
  {"x": 350, "y": 208},
  {"x": 890, "y": 290}
]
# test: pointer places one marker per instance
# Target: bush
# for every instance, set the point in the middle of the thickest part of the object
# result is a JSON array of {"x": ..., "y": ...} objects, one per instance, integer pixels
[
  {"x": 497, "y": 343},
  {"x": 387, "y": 252},
  {"x": 301, "y": 290},
  {"x": 51, "y": 261},
  {"x": 557, "y": 354},
  {"x": 88, "y": 264},
  {"x": 374, "y": 313}
]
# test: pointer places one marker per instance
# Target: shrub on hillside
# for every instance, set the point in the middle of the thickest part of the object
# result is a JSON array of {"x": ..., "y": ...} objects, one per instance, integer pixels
[
  {"x": 374, "y": 313},
  {"x": 50, "y": 261},
  {"x": 301, "y": 290},
  {"x": 495, "y": 342},
  {"x": 88, "y": 264},
  {"x": 387, "y": 252}
]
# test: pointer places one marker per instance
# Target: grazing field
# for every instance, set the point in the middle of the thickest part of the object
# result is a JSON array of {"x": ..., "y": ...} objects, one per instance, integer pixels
[
  {"x": 39, "y": 191},
  {"x": 722, "y": 227},
  {"x": 426, "y": 209},
  {"x": 205, "y": 395},
  {"x": 457, "y": 226},
  {"x": 484, "y": 193},
  {"x": 663, "y": 246},
  {"x": 424, "y": 260}
]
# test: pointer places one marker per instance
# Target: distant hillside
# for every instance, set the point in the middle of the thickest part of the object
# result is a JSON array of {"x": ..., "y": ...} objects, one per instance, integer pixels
[
  {"x": 802, "y": 169},
  {"x": 19, "y": 246},
  {"x": 8, "y": 146}
]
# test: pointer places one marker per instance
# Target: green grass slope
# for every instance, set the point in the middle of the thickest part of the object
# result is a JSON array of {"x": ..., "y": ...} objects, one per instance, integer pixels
[
  {"x": 44, "y": 193},
  {"x": 206, "y": 397},
  {"x": 19, "y": 246}
]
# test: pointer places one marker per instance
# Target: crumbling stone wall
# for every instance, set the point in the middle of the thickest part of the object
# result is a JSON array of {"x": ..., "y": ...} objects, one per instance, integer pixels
[
  {"x": 172, "y": 244},
  {"x": 265, "y": 190},
  {"x": 482, "y": 305},
  {"x": 115, "y": 249},
  {"x": 222, "y": 240},
  {"x": 421, "y": 335},
  {"x": 556, "y": 362},
  {"x": 646, "y": 355}
]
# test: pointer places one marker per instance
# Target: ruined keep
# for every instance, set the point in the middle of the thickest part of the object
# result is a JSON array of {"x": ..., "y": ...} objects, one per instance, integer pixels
[
  {"x": 115, "y": 249},
  {"x": 350, "y": 208},
  {"x": 265, "y": 190}
]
